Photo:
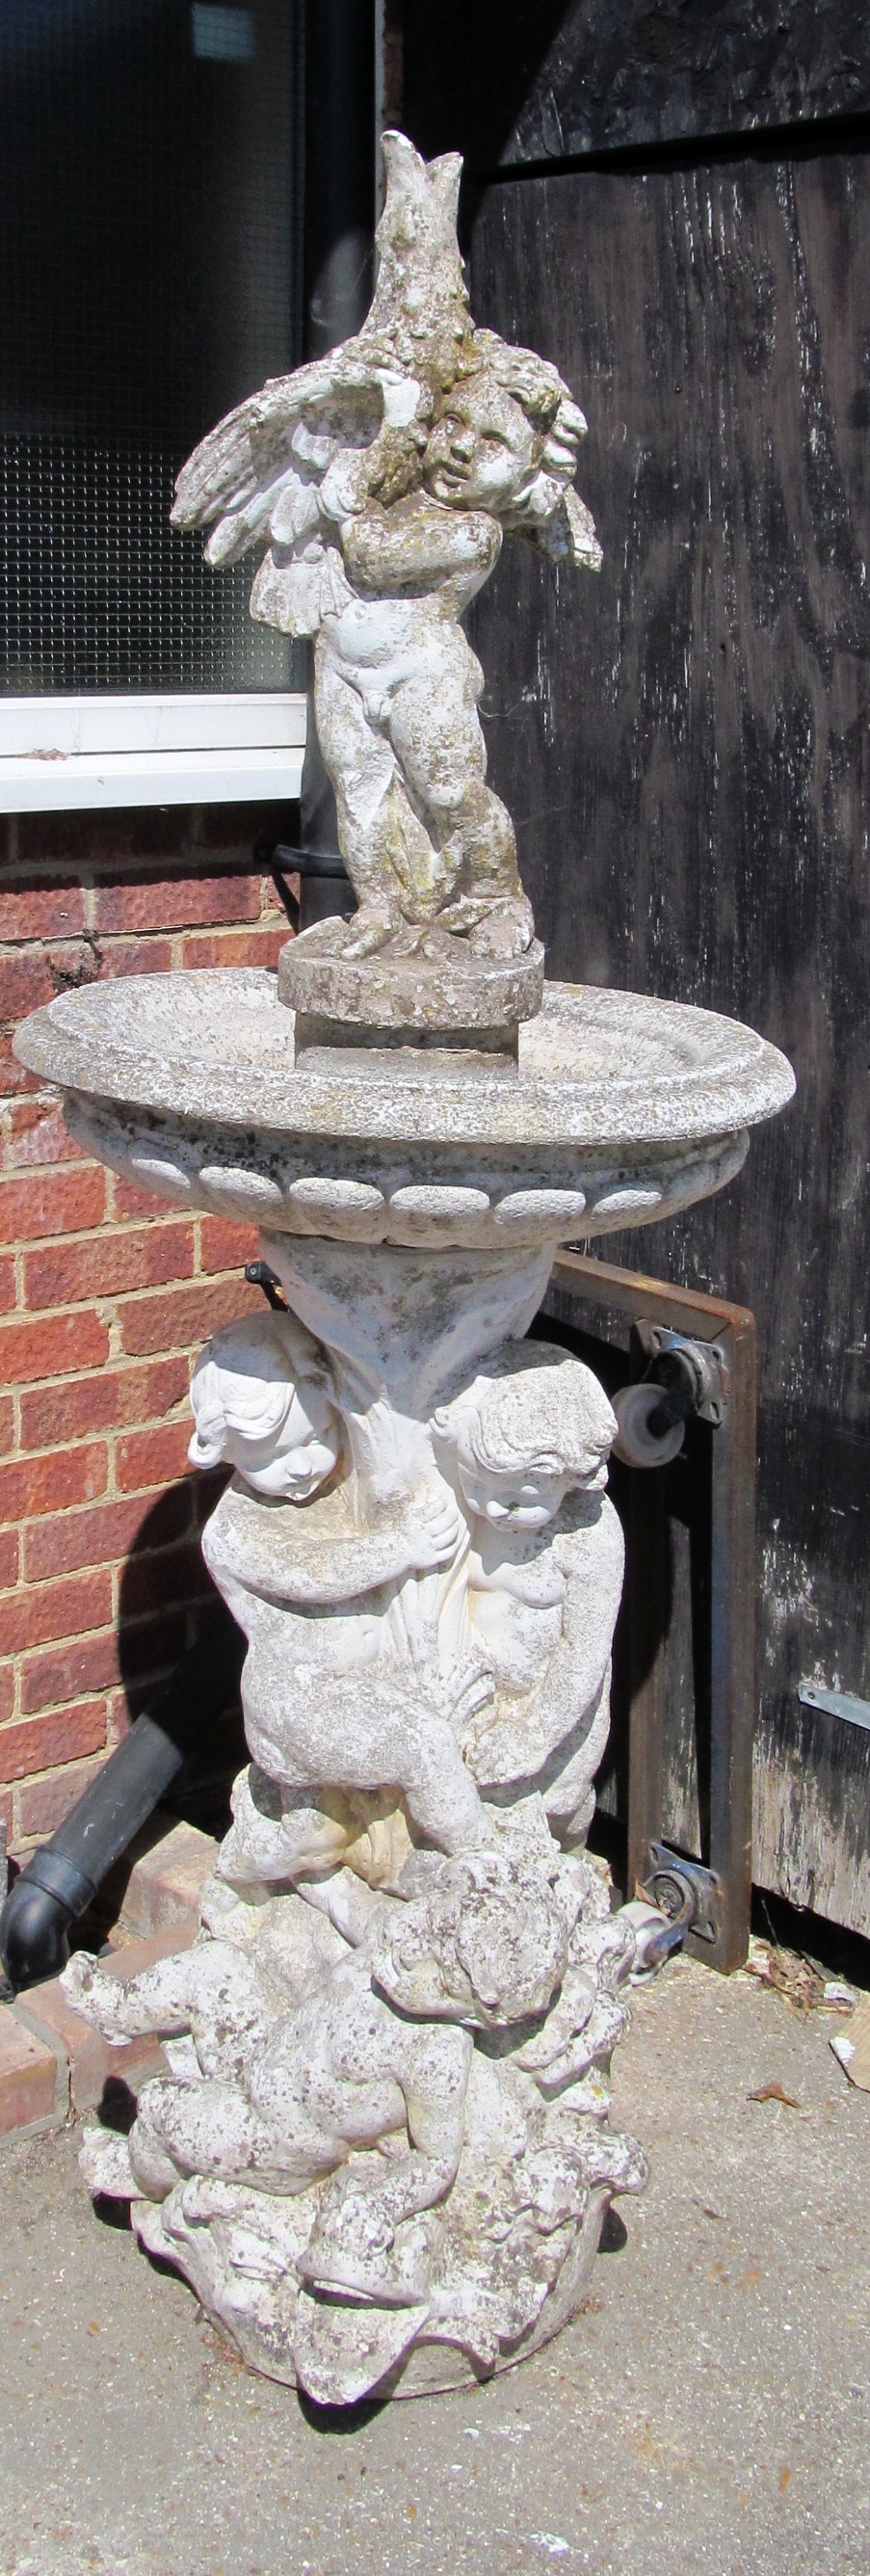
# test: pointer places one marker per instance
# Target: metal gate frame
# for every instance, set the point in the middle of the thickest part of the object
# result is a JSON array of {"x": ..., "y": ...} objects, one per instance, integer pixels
[{"x": 714, "y": 1885}]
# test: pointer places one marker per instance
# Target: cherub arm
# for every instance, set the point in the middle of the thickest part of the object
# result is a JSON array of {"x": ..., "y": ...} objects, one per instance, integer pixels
[
  {"x": 417, "y": 544},
  {"x": 310, "y": 1559},
  {"x": 593, "y": 1562},
  {"x": 354, "y": 2247},
  {"x": 515, "y": 1744}
]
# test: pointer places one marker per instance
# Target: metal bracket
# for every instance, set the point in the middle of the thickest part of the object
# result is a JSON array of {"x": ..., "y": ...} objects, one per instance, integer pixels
[
  {"x": 259, "y": 1275},
  {"x": 695, "y": 1371},
  {"x": 705, "y": 1348},
  {"x": 685, "y": 1891}
]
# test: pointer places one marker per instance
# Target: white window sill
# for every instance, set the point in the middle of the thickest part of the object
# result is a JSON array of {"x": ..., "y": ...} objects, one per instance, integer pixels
[{"x": 60, "y": 754}]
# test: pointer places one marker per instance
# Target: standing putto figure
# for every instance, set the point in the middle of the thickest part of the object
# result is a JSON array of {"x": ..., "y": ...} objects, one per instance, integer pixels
[{"x": 381, "y": 478}]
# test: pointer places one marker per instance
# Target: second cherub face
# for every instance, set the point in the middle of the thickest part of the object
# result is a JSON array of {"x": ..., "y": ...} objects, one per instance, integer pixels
[
  {"x": 523, "y": 1497},
  {"x": 483, "y": 453}
]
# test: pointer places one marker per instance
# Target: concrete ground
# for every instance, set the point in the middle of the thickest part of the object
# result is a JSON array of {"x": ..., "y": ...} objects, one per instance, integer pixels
[{"x": 708, "y": 2414}]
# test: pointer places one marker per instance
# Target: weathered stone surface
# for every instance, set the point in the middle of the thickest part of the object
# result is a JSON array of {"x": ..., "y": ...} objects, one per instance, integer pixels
[
  {"x": 381, "y": 479},
  {"x": 298, "y": 2053},
  {"x": 616, "y": 1073},
  {"x": 438, "y": 986},
  {"x": 380, "y": 2153}
]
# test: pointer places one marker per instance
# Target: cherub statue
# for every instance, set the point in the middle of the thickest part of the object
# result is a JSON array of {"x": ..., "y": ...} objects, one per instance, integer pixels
[
  {"x": 526, "y": 1446},
  {"x": 341, "y": 1686},
  {"x": 262, "y": 1402},
  {"x": 335, "y": 1698},
  {"x": 382, "y": 2049},
  {"x": 382, "y": 478}
]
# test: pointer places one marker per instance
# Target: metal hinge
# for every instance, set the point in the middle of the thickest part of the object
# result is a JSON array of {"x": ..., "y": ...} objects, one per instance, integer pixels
[{"x": 685, "y": 1891}]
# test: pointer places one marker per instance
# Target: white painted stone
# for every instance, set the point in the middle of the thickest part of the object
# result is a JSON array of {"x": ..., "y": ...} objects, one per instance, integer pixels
[
  {"x": 361, "y": 2198},
  {"x": 425, "y": 1697},
  {"x": 260, "y": 1400}
]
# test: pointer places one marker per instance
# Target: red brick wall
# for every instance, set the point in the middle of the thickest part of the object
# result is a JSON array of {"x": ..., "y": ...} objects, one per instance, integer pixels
[{"x": 105, "y": 1299}]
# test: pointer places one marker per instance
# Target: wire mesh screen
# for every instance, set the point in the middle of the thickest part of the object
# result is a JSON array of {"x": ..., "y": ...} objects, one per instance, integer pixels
[{"x": 150, "y": 276}]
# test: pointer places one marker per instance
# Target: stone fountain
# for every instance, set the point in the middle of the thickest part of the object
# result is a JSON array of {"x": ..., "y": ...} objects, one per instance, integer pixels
[{"x": 380, "y": 2153}]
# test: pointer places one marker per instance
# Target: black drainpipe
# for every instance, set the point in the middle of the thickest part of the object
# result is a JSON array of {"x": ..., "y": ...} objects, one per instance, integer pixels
[
  {"x": 60, "y": 1880},
  {"x": 340, "y": 147}
]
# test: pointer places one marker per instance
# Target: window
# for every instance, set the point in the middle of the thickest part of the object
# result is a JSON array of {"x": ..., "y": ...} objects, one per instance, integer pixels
[{"x": 150, "y": 173}]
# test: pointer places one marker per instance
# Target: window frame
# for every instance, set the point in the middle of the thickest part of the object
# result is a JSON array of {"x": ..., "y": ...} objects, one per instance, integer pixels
[{"x": 61, "y": 754}]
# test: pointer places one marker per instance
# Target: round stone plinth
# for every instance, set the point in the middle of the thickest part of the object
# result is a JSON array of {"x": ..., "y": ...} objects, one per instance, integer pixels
[
  {"x": 264, "y": 2333},
  {"x": 438, "y": 989}
]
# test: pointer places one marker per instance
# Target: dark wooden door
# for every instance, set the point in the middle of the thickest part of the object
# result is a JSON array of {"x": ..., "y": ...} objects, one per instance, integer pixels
[{"x": 674, "y": 204}]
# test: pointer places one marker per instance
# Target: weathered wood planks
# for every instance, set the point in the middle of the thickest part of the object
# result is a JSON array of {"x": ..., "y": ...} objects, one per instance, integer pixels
[
  {"x": 684, "y": 746},
  {"x": 510, "y": 83}
]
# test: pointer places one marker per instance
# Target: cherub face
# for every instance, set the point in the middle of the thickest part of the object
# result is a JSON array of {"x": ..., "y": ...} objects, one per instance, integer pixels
[
  {"x": 455, "y": 1956},
  {"x": 296, "y": 1459},
  {"x": 524, "y": 1497},
  {"x": 483, "y": 453},
  {"x": 422, "y": 1975}
]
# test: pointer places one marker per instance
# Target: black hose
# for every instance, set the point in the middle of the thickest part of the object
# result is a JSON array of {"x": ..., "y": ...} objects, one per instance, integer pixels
[
  {"x": 339, "y": 264},
  {"x": 60, "y": 1880}
]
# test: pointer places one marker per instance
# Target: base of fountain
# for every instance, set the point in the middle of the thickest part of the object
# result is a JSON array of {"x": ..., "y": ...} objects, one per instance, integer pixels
[
  {"x": 437, "y": 993},
  {"x": 422, "y": 2369}
]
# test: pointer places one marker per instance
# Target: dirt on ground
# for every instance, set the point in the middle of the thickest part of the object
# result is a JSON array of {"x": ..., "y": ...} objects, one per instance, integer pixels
[{"x": 706, "y": 2415}]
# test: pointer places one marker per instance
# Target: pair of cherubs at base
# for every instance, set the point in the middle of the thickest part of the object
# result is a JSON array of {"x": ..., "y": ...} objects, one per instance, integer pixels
[
  {"x": 453, "y": 1645},
  {"x": 384, "y": 2122}
]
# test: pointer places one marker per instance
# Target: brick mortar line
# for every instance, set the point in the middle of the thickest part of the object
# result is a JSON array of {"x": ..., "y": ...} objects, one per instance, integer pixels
[
  {"x": 162, "y": 1216},
  {"x": 49, "y": 1770},
  {"x": 76, "y": 1636},
  {"x": 91, "y": 1439},
  {"x": 30, "y": 2021},
  {"x": 111, "y": 1228},
  {"x": 147, "y": 1683},
  {"x": 113, "y": 1297},
  {"x": 108, "y": 1565},
  {"x": 133, "y": 1360},
  {"x": 197, "y": 859}
]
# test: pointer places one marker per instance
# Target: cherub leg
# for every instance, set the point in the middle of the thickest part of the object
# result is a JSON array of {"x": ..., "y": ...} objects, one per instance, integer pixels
[
  {"x": 183, "y": 2129},
  {"x": 272, "y": 1838},
  {"x": 569, "y": 1794},
  {"x": 373, "y": 2234},
  {"x": 213, "y": 1976},
  {"x": 385, "y": 846},
  {"x": 436, "y": 733},
  {"x": 214, "y": 2128},
  {"x": 355, "y": 1733}
]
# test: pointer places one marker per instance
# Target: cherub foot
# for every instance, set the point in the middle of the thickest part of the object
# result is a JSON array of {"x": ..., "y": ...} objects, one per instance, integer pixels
[
  {"x": 370, "y": 930},
  {"x": 105, "y": 2164},
  {"x": 507, "y": 929},
  {"x": 353, "y": 2249},
  {"x": 100, "y": 1999}
]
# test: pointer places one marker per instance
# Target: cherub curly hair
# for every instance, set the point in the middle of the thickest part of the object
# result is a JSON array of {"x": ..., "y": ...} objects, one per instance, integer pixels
[
  {"x": 245, "y": 1381},
  {"x": 535, "y": 1407}
]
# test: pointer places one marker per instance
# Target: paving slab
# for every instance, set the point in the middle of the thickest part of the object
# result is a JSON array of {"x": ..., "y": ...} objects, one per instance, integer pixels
[
  {"x": 30, "y": 2089},
  {"x": 707, "y": 2415}
]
